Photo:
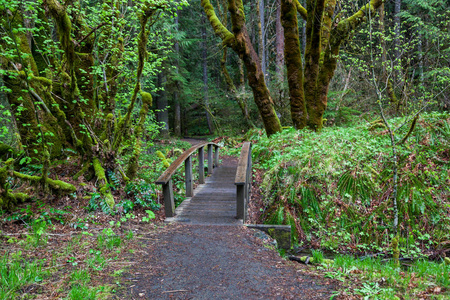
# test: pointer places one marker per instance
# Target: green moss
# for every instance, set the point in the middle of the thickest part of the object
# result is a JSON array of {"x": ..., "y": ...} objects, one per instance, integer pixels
[
  {"x": 55, "y": 185},
  {"x": 160, "y": 155},
  {"x": 395, "y": 251},
  {"x": 219, "y": 29},
  {"x": 146, "y": 98},
  {"x": 102, "y": 182},
  {"x": 43, "y": 80},
  {"x": 133, "y": 164},
  {"x": 61, "y": 186}
]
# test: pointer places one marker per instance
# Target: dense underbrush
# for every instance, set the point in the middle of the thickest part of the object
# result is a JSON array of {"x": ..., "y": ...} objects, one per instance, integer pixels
[
  {"x": 335, "y": 188},
  {"x": 76, "y": 246}
]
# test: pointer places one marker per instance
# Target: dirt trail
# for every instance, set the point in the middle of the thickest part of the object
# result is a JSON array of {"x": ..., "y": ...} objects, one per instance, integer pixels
[
  {"x": 181, "y": 261},
  {"x": 218, "y": 262}
]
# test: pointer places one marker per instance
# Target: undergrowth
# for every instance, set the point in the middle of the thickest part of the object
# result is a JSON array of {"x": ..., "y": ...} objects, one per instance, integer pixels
[{"x": 334, "y": 188}]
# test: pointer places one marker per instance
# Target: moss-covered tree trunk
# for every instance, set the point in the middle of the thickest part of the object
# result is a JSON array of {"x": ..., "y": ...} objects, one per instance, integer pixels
[
  {"x": 293, "y": 59},
  {"x": 323, "y": 41},
  {"x": 240, "y": 42},
  {"x": 68, "y": 108}
]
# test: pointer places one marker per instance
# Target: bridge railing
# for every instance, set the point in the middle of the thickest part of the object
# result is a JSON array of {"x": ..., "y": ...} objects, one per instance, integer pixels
[
  {"x": 243, "y": 181},
  {"x": 166, "y": 178}
]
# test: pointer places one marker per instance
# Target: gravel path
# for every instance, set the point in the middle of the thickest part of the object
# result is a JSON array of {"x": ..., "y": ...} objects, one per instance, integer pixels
[{"x": 218, "y": 262}]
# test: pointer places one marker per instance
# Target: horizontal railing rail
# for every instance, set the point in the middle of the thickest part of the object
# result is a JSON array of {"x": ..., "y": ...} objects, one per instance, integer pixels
[
  {"x": 243, "y": 181},
  {"x": 166, "y": 178}
]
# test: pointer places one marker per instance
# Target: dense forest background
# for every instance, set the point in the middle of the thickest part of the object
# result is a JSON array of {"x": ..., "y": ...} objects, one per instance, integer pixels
[{"x": 346, "y": 102}]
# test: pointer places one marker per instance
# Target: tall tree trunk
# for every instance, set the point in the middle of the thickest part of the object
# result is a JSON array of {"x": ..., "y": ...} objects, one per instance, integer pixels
[
  {"x": 176, "y": 100},
  {"x": 312, "y": 62},
  {"x": 279, "y": 31},
  {"x": 420, "y": 50},
  {"x": 386, "y": 79},
  {"x": 162, "y": 105},
  {"x": 293, "y": 64},
  {"x": 262, "y": 38},
  {"x": 304, "y": 34},
  {"x": 397, "y": 46},
  {"x": 205, "y": 75}
]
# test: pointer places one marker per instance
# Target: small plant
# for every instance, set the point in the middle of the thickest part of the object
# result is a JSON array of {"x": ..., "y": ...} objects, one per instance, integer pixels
[
  {"x": 317, "y": 256},
  {"x": 151, "y": 215},
  {"x": 96, "y": 201},
  {"x": 82, "y": 292},
  {"x": 369, "y": 290},
  {"x": 108, "y": 239},
  {"x": 80, "y": 277},
  {"x": 39, "y": 227},
  {"x": 129, "y": 235},
  {"x": 96, "y": 261}
]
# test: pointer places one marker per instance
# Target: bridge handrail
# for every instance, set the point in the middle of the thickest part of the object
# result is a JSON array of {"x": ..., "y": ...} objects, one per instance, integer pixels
[
  {"x": 166, "y": 178},
  {"x": 243, "y": 181}
]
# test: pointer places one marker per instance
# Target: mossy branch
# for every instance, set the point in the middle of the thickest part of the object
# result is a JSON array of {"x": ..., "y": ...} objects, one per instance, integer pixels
[
  {"x": 411, "y": 129},
  {"x": 220, "y": 30},
  {"x": 300, "y": 9},
  {"x": 55, "y": 185},
  {"x": 346, "y": 26}
]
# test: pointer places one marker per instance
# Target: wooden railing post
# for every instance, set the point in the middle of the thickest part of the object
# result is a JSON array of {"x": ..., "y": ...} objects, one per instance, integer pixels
[
  {"x": 201, "y": 165},
  {"x": 243, "y": 181},
  {"x": 210, "y": 159},
  {"x": 240, "y": 201},
  {"x": 188, "y": 177},
  {"x": 249, "y": 180},
  {"x": 166, "y": 178},
  {"x": 169, "y": 204},
  {"x": 216, "y": 156}
]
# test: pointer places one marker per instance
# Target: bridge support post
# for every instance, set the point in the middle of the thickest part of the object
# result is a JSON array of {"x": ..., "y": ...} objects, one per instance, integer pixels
[
  {"x": 240, "y": 203},
  {"x": 169, "y": 204},
  {"x": 210, "y": 159},
  {"x": 188, "y": 177},
  {"x": 201, "y": 165},
  {"x": 216, "y": 156},
  {"x": 243, "y": 181}
]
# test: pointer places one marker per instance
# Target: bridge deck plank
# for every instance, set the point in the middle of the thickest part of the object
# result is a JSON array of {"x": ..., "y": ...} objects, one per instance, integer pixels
[{"x": 214, "y": 202}]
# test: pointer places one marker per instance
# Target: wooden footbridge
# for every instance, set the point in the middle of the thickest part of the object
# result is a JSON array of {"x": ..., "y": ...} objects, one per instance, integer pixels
[{"x": 220, "y": 198}]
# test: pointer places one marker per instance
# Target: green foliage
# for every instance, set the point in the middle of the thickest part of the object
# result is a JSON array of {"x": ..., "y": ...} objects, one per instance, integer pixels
[
  {"x": 16, "y": 272},
  {"x": 380, "y": 279},
  {"x": 96, "y": 201},
  {"x": 150, "y": 216},
  {"x": 143, "y": 193},
  {"x": 108, "y": 239},
  {"x": 334, "y": 187}
]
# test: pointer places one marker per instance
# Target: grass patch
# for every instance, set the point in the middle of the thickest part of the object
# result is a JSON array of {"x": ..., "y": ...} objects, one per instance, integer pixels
[
  {"x": 16, "y": 272},
  {"x": 374, "y": 278}
]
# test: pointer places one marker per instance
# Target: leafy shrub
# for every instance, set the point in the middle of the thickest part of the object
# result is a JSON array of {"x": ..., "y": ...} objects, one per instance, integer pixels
[{"x": 143, "y": 194}]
